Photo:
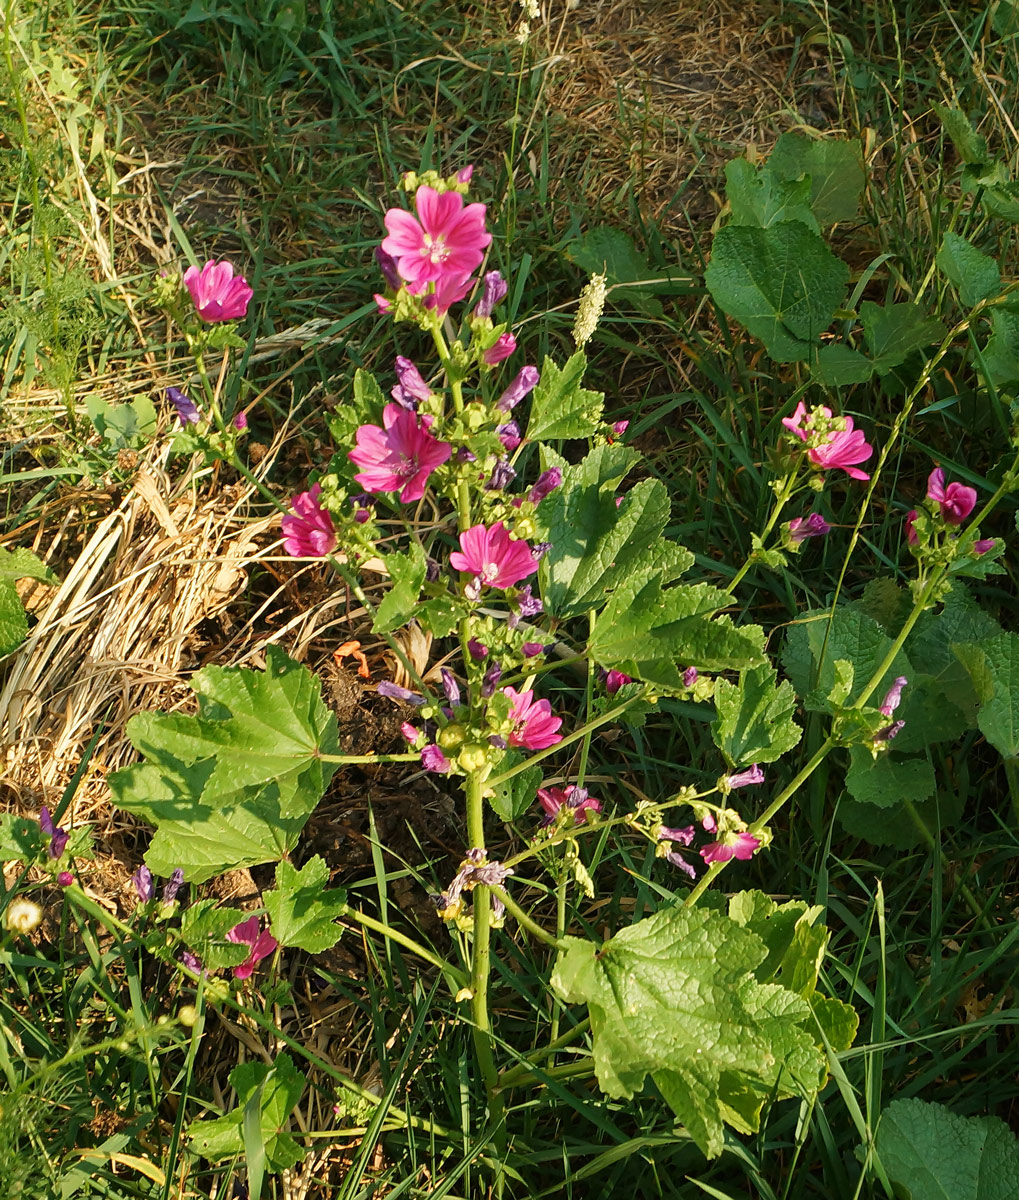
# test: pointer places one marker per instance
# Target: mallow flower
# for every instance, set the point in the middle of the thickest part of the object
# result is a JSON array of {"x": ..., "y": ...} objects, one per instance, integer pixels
[
  {"x": 955, "y": 502},
  {"x": 841, "y": 449},
  {"x": 308, "y": 530},
  {"x": 730, "y": 845},
  {"x": 187, "y": 409},
  {"x": 492, "y": 556},
  {"x": 534, "y": 726},
  {"x": 401, "y": 455},
  {"x": 260, "y": 941},
  {"x": 445, "y": 239},
  {"x": 218, "y": 294},
  {"x": 574, "y": 799}
]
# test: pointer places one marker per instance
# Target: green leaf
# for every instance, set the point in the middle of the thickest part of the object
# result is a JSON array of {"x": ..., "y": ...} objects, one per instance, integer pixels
[
  {"x": 560, "y": 407},
  {"x": 400, "y": 603},
  {"x": 440, "y": 615},
  {"x": 132, "y": 423},
  {"x": 783, "y": 284},
  {"x": 1001, "y": 353},
  {"x": 894, "y": 331},
  {"x": 795, "y": 944},
  {"x": 612, "y": 253},
  {"x": 653, "y": 631},
  {"x": 233, "y": 785},
  {"x": 17, "y": 564},
  {"x": 888, "y": 780},
  {"x": 755, "y": 718},
  {"x": 993, "y": 665},
  {"x": 203, "y": 929},
  {"x": 810, "y": 654},
  {"x": 275, "y": 1091},
  {"x": 838, "y": 365},
  {"x": 302, "y": 911},
  {"x": 513, "y": 798},
  {"x": 976, "y": 275},
  {"x": 896, "y": 826},
  {"x": 971, "y": 146},
  {"x": 674, "y": 997},
  {"x": 757, "y": 197},
  {"x": 595, "y": 545},
  {"x": 834, "y": 167},
  {"x": 930, "y": 1153}
]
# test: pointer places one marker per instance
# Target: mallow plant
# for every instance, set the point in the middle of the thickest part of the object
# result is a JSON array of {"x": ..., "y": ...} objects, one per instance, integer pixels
[{"x": 513, "y": 523}]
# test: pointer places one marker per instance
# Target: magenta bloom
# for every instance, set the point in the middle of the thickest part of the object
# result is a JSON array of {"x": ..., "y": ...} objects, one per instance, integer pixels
[
  {"x": 983, "y": 545},
  {"x": 956, "y": 501},
  {"x": 218, "y": 294},
  {"x": 526, "y": 379},
  {"x": 576, "y": 800},
  {"x": 492, "y": 556},
  {"x": 308, "y": 531},
  {"x": 801, "y": 528},
  {"x": 911, "y": 537},
  {"x": 534, "y": 727},
  {"x": 412, "y": 388},
  {"x": 494, "y": 290},
  {"x": 504, "y": 346},
  {"x": 614, "y": 680},
  {"x": 732, "y": 845},
  {"x": 260, "y": 940},
  {"x": 842, "y": 448},
  {"x": 446, "y": 239},
  {"x": 449, "y": 290},
  {"x": 399, "y": 457},
  {"x": 689, "y": 677},
  {"x": 432, "y": 759}
]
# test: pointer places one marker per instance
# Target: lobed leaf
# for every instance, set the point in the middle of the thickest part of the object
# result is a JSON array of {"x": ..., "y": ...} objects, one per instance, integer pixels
[
  {"x": 302, "y": 911},
  {"x": 754, "y": 722}
]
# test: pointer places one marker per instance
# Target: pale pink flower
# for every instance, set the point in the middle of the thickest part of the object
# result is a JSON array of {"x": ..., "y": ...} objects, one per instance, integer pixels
[
  {"x": 412, "y": 387},
  {"x": 731, "y": 845},
  {"x": 534, "y": 726},
  {"x": 894, "y": 696},
  {"x": 260, "y": 940},
  {"x": 494, "y": 290},
  {"x": 399, "y": 457},
  {"x": 956, "y": 501},
  {"x": 504, "y": 346},
  {"x": 308, "y": 530},
  {"x": 492, "y": 556},
  {"x": 575, "y": 799},
  {"x": 446, "y": 239},
  {"x": 218, "y": 294},
  {"x": 747, "y": 778}
]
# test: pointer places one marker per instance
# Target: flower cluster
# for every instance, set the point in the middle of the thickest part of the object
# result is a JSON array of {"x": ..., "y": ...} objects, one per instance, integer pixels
[
  {"x": 831, "y": 442},
  {"x": 947, "y": 508}
]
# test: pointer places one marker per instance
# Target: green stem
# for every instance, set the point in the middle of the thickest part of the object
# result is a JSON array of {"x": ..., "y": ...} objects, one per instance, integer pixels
[
  {"x": 782, "y": 496},
  {"x": 786, "y": 794},
  {"x": 524, "y": 921},
  {"x": 512, "y": 1075},
  {"x": 349, "y": 759},
  {"x": 584, "y": 731},
  {"x": 454, "y": 976},
  {"x": 928, "y": 590}
]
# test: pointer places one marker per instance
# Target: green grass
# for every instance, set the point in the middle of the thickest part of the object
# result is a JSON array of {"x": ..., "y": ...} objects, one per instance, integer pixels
[{"x": 289, "y": 139}]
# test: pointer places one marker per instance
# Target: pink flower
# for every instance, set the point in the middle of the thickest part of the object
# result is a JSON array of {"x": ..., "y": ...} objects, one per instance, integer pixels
[
  {"x": 841, "y": 448},
  {"x": 911, "y": 537},
  {"x": 801, "y": 528},
  {"x": 534, "y": 727},
  {"x": 732, "y": 845},
  {"x": 412, "y": 388},
  {"x": 748, "y": 778},
  {"x": 689, "y": 677},
  {"x": 260, "y": 940},
  {"x": 614, "y": 680},
  {"x": 894, "y": 696},
  {"x": 983, "y": 545},
  {"x": 218, "y": 294},
  {"x": 399, "y": 457},
  {"x": 308, "y": 531},
  {"x": 574, "y": 798},
  {"x": 504, "y": 346},
  {"x": 494, "y": 290},
  {"x": 956, "y": 501},
  {"x": 493, "y": 557},
  {"x": 445, "y": 240},
  {"x": 432, "y": 759},
  {"x": 449, "y": 290}
]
